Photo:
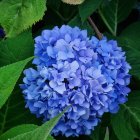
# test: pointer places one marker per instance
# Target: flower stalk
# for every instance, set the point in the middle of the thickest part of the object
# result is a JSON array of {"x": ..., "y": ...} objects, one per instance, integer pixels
[{"x": 98, "y": 33}]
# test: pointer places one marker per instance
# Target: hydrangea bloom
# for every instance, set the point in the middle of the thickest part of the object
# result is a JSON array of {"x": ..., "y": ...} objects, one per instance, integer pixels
[{"x": 72, "y": 69}]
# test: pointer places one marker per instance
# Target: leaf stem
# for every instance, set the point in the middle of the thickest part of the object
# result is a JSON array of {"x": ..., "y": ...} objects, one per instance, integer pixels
[{"x": 98, "y": 33}]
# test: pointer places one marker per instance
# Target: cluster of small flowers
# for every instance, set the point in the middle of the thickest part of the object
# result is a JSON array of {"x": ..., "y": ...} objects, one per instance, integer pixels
[{"x": 91, "y": 75}]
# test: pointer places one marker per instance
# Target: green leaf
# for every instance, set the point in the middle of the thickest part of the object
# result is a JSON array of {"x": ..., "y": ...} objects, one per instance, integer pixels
[
  {"x": 20, "y": 14},
  {"x": 50, "y": 138},
  {"x": 16, "y": 49},
  {"x": 9, "y": 75},
  {"x": 112, "y": 135},
  {"x": 21, "y": 129},
  {"x": 98, "y": 133},
  {"x": 42, "y": 132},
  {"x": 129, "y": 40},
  {"x": 88, "y": 7},
  {"x": 107, "y": 134},
  {"x": 13, "y": 113},
  {"x": 55, "y": 4},
  {"x": 76, "y": 21},
  {"x": 114, "y": 11},
  {"x": 126, "y": 123},
  {"x": 13, "y": 132},
  {"x": 74, "y": 2},
  {"x": 81, "y": 137}
]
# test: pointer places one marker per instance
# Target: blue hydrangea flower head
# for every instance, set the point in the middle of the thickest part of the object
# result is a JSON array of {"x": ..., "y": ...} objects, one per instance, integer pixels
[{"x": 89, "y": 74}]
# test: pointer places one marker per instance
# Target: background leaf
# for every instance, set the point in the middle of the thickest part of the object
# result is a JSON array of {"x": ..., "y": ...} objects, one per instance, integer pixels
[
  {"x": 9, "y": 75},
  {"x": 13, "y": 113},
  {"x": 76, "y": 21},
  {"x": 20, "y": 14},
  {"x": 98, "y": 133},
  {"x": 112, "y": 135},
  {"x": 126, "y": 123},
  {"x": 21, "y": 129},
  {"x": 16, "y": 49},
  {"x": 42, "y": 132},
  {"x": 88, "y": 7},
  {"x": 17, "y": 131},
  {"x": 114, "y": 11},
  {"x": 54, "y": 4},
  {"x": 129, "y": 40}
]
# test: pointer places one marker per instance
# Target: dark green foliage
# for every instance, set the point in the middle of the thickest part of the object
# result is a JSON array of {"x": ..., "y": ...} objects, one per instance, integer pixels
[
  {"x": 88, "y": 7},
  {"x": 119, "y": 19},
  {"x": 13, "y": 132},
  {"x": 20, "y": 14},
  {"x": 115, "y": 11},
  {"x": 130, "y": 41},
  {"x": 16, "y": 49},
  {"x": 128, "y": 126},
  {"x": 13, "y": 113}
]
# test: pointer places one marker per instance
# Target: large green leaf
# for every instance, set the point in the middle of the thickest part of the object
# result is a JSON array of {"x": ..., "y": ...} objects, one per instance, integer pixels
[
  {"x": 21, "y": 129},
  {"x": 16, "y": 49},
  {"x": 55, "y": 5},
  {"x": 18, "y": 15},
  {"x": 126, "y": 123},
  {"x": 114, "y": 11},
  {"x": 8, "y": 77},
  {"x": 13, "y": 113},
  {"x": 88, "y": 7},
  {"x": 129, "y": 40},
  {"x": 42, "y": 132},
  {"x": 13, "y": 132}
]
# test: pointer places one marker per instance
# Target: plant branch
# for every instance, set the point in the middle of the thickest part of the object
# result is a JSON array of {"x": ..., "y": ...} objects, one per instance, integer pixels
[{"x": 98, "y": 33}]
